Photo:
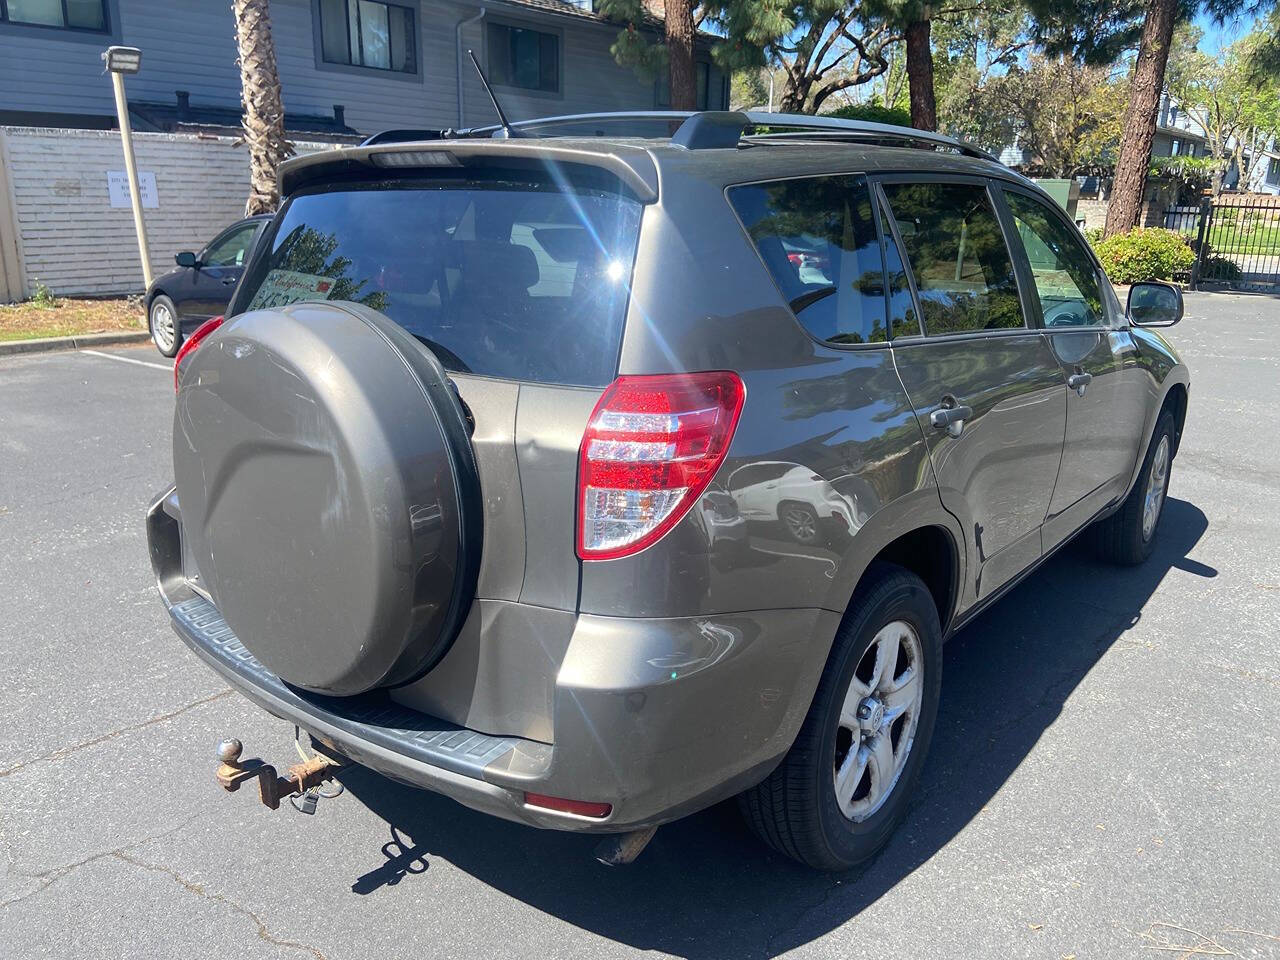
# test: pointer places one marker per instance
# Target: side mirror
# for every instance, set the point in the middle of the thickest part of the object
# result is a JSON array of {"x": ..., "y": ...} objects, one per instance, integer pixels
[
  {"x": 186, "y": 259},
  {"x": 1153, "y": 304}
]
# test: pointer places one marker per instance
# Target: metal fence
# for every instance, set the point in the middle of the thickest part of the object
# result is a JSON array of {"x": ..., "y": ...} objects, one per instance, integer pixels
[{"x": 1236, "y": 239}]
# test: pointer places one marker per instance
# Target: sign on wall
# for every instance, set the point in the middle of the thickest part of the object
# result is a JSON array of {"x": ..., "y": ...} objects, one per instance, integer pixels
[{"x": 118, "y": 188}]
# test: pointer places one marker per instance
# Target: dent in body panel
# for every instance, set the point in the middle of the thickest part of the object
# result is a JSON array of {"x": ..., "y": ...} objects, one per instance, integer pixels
[
  {"x": 820, "y": 450},
  {"x": 493, "y": 405},
  {"x": 632, "y": 708},
  {"x": 550, "y": 423},
  {"x": 827, "y": 440},
  {"x": 499, "y": 677},
  {"x": 998, "y": 476}
]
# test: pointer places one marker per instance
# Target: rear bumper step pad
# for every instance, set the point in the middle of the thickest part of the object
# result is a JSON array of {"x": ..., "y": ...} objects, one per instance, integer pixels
[{"x": 350, "y": 723}]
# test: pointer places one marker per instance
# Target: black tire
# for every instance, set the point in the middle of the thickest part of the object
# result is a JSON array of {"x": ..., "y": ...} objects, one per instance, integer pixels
[
  {"x": 1121, "y": 537},
  {"x": 795, "y": 809},
  {"x": 159, "y": 304}
]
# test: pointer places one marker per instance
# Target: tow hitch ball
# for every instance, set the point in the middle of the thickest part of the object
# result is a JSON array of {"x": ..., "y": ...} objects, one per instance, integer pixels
[{"x": 272, "y": 788}]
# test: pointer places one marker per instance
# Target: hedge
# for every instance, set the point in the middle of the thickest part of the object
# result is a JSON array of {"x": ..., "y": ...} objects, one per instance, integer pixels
[{"x": 1145, "y": 253}]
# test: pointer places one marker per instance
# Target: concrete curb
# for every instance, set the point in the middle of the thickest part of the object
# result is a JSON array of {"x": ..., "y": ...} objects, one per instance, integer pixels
[{"x": 46, "y": 344}]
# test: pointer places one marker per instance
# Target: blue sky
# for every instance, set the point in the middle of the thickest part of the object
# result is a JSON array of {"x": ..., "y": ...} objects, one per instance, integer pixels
[{"x": 1216, "y": 37}]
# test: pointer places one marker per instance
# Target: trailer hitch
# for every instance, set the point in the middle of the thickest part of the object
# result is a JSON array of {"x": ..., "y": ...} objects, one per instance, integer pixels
[{"x": 272, "y": 788}]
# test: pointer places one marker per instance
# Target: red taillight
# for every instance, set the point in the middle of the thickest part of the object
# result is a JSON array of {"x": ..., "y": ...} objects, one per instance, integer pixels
[
  {"x": 651, "y": 447},
  {"x": 189, "y": 345},
  {"x": 582, "y": 808}
]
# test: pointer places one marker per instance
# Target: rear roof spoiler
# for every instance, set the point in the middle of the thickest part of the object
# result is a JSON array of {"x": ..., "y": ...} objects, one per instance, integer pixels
[{"x": 630, "y": 164}]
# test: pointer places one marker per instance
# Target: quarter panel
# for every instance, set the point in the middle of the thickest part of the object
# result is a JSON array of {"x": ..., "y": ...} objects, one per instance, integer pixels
[{"x": 834, "y": 438}]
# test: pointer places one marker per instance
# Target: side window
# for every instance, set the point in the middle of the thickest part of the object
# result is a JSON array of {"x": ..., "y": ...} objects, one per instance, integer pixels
[
  {"x": 817, "y": 236},
  {"x": 1066, "y": 280},
  {"x": 953, "y": 241},
  {"x": 232, "y": 249}
]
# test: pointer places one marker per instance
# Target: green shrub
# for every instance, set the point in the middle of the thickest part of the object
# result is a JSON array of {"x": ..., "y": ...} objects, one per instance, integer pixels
[
  {"x": 1145, "y": 253},
  {"x": 873, "y": 112},
  {"x": 44, "y": 298},
  {"x": 1221, "y": 269},
  {"x": 1093, "y": 235}
]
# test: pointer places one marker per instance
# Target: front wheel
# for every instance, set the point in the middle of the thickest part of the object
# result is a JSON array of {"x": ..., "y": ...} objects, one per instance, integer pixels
[
  {"x": 1129, "y": 535},
  {"x": 837, "y": 796},
  {"x": 162, "y": 321}
]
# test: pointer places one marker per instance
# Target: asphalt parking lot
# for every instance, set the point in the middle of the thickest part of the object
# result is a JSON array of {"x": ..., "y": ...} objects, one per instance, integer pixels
[{"x": 1105, "y": 780}]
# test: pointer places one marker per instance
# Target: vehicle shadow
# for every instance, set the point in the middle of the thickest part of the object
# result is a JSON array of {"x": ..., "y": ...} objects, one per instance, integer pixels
[{"x": 706, "y": 887}]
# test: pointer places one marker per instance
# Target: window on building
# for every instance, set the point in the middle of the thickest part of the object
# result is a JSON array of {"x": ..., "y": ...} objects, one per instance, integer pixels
[
  {"x": 1175, "y": 147},
  {"x": 364, "y": 33},
  {"x": 67, "y": 14},
  {"x": 520, "y": 57},
  {"x": 1273, "y": 171},
  {"x": 710, "y": 89}
]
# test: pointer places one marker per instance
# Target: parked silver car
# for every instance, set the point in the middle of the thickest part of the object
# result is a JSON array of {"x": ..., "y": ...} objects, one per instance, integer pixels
[{"x": 463, "y": 483}]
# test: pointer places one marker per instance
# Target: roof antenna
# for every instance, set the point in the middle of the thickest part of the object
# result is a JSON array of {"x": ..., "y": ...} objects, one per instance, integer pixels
[{"x": 502, "y": 117}]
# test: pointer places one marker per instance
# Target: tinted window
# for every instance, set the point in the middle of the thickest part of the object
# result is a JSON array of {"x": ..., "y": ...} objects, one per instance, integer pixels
[
  {"x": 524, "y": 281},
  {"x": 963, "y": 273},
  {"x": 902, "y": 311},
  {"x": 76, "y": 14},
  {"x": 818, "y": 238},
  {"x": 231, "y": 250},
  {"x": 1066, "y": 280}
]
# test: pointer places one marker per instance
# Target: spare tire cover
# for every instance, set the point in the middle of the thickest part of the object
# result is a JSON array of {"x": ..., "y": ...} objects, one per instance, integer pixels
[{"x": 329, "y": 494}]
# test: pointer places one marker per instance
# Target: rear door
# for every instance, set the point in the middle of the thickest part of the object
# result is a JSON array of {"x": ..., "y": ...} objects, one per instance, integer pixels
[
  {"x": 986, "y": 388},
  {"x": 518, "y": 285},
  {"x": 1107, "y": 388}
]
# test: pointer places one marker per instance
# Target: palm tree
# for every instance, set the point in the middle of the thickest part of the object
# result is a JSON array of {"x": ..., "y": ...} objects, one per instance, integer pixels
[{"x": 263, "y": 106}]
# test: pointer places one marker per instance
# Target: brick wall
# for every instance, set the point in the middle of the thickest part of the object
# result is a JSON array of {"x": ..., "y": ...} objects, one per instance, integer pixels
[{"x": 72, "y": 239}]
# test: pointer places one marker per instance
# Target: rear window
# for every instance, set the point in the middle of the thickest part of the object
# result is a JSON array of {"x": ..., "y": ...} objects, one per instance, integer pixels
[
  {"x": 518, "y": 280},
  {"x": 817, "y": 236}
]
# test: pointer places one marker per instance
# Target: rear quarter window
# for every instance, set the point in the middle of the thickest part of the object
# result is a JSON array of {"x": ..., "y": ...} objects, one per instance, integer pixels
[
  {"x": 521, "y": 280},
  {"x": 817, "y": 237}
]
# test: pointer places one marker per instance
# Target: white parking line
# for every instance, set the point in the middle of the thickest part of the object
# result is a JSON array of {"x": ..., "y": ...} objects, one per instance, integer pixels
[{"x": 141, "y": 363}]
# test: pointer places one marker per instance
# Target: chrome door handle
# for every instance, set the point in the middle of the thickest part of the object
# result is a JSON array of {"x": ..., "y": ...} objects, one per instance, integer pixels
[
  {"x": 1078, "y": 382},
  {"x": 950, "y": 418}
]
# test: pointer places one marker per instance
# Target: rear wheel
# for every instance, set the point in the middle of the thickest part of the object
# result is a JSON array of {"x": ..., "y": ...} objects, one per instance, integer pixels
[
  {"x": 837, "y": 796},
  {"x": 162, "y": 321},
  {"x": 1129, "y": 535}
]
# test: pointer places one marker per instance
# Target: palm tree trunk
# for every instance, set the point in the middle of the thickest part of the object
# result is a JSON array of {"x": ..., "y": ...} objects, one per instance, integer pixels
[
  {"x": 924, "y": 108},
  {"x": 679, "y": 36},
  {"x": 1140, "y": 117},
  {"x": 263, "y": 106}
]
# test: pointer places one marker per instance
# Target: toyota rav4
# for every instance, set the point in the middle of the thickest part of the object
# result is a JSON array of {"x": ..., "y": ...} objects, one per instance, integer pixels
[{"x": 542, "y": 472}]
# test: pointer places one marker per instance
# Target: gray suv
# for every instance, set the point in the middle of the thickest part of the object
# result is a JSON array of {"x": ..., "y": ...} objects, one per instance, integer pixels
[{"x": 596, "y": 472}]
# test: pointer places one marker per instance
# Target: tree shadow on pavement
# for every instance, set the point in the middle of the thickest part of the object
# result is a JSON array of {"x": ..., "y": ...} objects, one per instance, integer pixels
[{"x": 705, "y": 887}]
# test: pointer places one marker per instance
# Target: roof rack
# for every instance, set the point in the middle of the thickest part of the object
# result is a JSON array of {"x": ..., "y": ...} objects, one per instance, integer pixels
[
  {"x": 717, "y": 129},
  {"x": 805, "y": 125}
]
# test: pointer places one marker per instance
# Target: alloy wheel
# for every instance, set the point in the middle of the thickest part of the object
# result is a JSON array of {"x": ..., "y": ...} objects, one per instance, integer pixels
[
  {"x": 1157, "y": 482},
  {"x": 878, "y": 720},
  {"x": 162, "y": 327}
]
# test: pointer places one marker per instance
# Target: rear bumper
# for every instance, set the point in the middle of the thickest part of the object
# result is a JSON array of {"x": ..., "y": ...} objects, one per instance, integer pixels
[{"x": 658, "y": 717}]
